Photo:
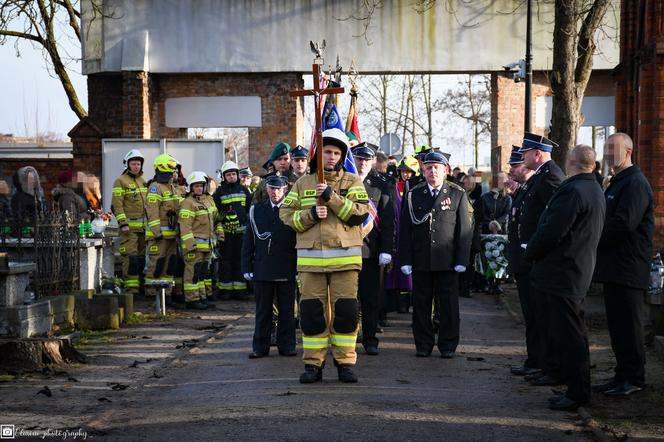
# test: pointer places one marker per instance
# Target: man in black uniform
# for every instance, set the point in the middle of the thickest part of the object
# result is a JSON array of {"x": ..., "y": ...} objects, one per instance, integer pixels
[
  {"x": 536, "y": 151},
  {"x": 623, "y": 264},
  {"x": 563, "y": 251},
  {"x": 269, "y": 260},
  {"x": 377, "y": 244},
  {"x": 435, "y": 237},
  {"x": 519, "y": 269}
]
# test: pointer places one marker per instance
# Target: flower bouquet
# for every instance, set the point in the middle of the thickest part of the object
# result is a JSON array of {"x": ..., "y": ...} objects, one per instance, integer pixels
[{"x": 492, "y": 259}]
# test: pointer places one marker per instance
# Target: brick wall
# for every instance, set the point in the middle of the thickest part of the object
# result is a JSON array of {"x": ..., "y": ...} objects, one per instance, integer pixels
[
  {"x": 640, "y": 93},
  {"x": 282, "y": 116},
  {"x": 507, "y": 108},
  {"x": 48, "y": 168},
  {"x": 131, "y": 105}
]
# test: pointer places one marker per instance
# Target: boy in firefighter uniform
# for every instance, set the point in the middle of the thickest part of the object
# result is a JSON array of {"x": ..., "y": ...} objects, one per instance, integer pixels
[
  {"x": 128, "y": 204},
  {"x": 329, "y": 258},
  {"x": 163, "y": 204},
  {"x": 232, "y": 200},
  {"x": 197, "y": 224}
]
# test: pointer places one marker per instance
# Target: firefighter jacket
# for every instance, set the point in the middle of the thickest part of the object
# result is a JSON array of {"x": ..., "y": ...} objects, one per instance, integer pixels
[
  {"x": 333, "y": 243},
  {"x": 163, "y": 204},
  {"x": 232, "y": 202},
  {"x": 197, "y": 219},
  {"x": 129, "y": 201}
]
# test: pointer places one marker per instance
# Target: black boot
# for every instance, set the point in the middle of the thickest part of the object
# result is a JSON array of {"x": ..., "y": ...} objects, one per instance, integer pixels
[
  {"x": 207, "y": 303},
  {"x": 196, "y": 305},
  {"x": 346, "y": 373},
  {"x": 311, "y": 374}
]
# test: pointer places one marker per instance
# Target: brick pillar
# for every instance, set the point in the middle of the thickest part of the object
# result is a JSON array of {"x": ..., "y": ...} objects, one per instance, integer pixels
[
  {"x": 640, "y": 93},
  {"x": 507, "y": 104},
  {"x": 135, "y": 105},
  {"x": 283, "y": 118},
  {"x": 86, "y": 139}
]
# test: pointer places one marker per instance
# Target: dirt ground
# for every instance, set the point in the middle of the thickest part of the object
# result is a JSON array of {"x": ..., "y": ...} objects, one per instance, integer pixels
[{"x": 189, "y": 378}]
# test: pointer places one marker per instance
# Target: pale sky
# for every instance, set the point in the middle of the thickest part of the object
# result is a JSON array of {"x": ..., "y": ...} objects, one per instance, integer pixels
[{"x": 31, "y": 100}]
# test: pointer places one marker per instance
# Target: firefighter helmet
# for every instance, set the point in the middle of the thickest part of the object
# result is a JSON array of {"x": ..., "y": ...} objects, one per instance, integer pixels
[
  {"x": 229, "y": 166},
  {"x": 165, "y": 163},
  {"x": 133, "y": 154},
  {"x": 196, "y": 177}
]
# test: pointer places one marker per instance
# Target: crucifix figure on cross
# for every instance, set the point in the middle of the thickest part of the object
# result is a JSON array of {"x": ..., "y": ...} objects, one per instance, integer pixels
[{"x": 317, "y": 93}]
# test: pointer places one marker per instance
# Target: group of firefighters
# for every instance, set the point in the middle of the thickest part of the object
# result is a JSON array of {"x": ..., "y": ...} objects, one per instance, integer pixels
[{"x": 328, "y": 239}]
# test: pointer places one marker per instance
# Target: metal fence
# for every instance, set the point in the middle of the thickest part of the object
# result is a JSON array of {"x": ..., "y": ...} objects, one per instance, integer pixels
[{"x": 52, "y": 241}]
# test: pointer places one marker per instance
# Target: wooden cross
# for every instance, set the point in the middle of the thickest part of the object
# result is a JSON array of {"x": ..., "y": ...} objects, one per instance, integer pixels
[{"x": 317, "y": 93}]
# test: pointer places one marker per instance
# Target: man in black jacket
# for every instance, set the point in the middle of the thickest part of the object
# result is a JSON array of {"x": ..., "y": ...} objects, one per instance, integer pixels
[
  {"x": 435, "y": 236},
  {"x": 623, "y": 264},
  {"x": 536, "y": 151},
  {"x": 269, "y": 260},
  {"x": 377, "y": 245},
  {"x": 563, "y": 252},
  {"x": 521, "y": 174}
]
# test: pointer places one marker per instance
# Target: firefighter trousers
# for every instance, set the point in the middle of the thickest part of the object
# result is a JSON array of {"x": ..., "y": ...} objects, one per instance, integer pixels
[
  {"x": 162, "y": 262},
  {"x": 132, "y": 249},
  {"x": 328, "y": 316},
  {"x": 196, "y": 266},
  {"x": 230, "y": 273}
]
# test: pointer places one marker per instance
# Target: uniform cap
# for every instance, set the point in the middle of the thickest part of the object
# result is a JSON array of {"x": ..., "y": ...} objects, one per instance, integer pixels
[
  {"x": 277, "y": 181},
  {"x": 435, "y": 158},
  {"x": 533, "y": 141},
  {"x": 300, "y": 152},
  {"x": 279, "y": 150},
  {"x": 516, "y": 157},
  {"x": 363, "y": 150}
]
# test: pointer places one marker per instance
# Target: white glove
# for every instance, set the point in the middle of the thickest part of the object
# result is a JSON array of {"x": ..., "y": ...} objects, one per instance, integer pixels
[
  {"x": 459, "y": 269},
  {"x": 384, "y": 259},
  {"x": 248, "y": 276},
  {"x": 406, "y": 270},
  {"x": 523, "y": 246}
]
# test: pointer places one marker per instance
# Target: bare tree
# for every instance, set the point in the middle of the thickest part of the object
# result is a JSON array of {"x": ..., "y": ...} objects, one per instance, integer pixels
[
  {"x": 575, "y": 25},
  {"x": 45, "y": 23},
  {"x": 471, "y": 102}
]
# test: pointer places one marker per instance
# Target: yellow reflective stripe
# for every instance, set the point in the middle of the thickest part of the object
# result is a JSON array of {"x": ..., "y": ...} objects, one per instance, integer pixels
[
  {"x": 153, "y": 198},
  {"x": 203, "y": 212},
  {"x": 154, "y": 223},
  {"x": 118, "y": 191},
  {"x": 345, "y": 210},
  {"x": 131, "y": 283},
  {"x": 168, "y": 233},
  {"x": 187, "y": 236},
  {"x": 184, "y": 213},
  {"x": 297, "y": 221},
  {"x": 307, "y": 202},
  {"x": 343, "y": 340},
  {"x": 204, "y": 246},
  {"x": 149, "y": 233},
  {"x": 120, "y": 217},
  {"x": 324, "y": 262},
  {"x": 359, "y": 191},
  {"x": 191, "y": 287},
  {"x": 315, "y": 343},
  {"x": 135, "y": 223}
]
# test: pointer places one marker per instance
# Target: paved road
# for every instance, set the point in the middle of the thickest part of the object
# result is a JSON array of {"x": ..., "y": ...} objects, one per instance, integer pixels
[{"x": 216, "y": 392}]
